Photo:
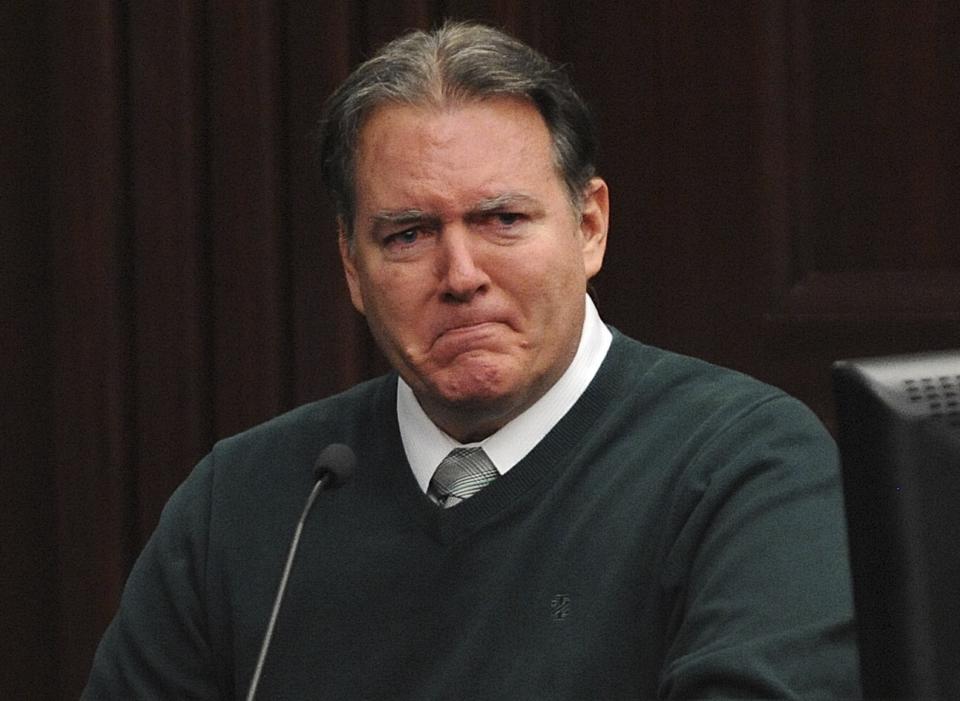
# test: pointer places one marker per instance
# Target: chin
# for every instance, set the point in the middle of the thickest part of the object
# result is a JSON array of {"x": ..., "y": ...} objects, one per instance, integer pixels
[
  {"x": 475, "y": 389},
  {"x": 471, "y": 407},
  {"x": 473, "y": 395}
]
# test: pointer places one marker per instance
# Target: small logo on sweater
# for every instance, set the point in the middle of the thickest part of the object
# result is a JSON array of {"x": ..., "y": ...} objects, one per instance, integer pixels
[{"x": 559, "y": 606}]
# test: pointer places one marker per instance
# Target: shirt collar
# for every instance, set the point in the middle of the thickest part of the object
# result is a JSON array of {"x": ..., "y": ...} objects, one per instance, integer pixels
[{"x": 426, "y": 445}]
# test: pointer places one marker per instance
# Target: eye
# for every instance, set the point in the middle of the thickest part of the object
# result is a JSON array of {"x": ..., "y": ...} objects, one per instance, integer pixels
[
  {"x": 408, "y": 243},
  {"x": 407, "y": 237},
  {"x": 508, "y": 218},
  {"x": 505, "y": 227}
]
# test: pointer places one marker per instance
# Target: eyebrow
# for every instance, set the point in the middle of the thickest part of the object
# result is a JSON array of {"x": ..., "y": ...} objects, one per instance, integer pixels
[
  {"x": 393, "y": 219},
  {"x": 505, "y": 201},
  {"x": 407, "y": 217},
  {"x": 403, "y": 216}
]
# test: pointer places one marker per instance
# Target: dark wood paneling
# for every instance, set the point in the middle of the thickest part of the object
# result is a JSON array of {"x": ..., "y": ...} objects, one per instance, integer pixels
[
  {"x": 746, "y": 188},
  {"x": 874, "y": 265},
  {"x": 536, "y": 22},
  {"x": 250, "y": 277},
  {"x": 170, "y": 247},
  {"x": 886, "y": 105},
  {"x": 330, "y": 345},
  {"x": 91, "y": 299},
  {"x": 696, "y": 186},
  {"x": 379, "y": 21},
  {"x": 27, "y": 542}
]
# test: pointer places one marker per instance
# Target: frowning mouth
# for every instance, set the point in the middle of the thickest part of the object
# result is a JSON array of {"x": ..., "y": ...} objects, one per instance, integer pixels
[
  {"x": 469, "y": 328},
  {"x": 464, "y": 337}
]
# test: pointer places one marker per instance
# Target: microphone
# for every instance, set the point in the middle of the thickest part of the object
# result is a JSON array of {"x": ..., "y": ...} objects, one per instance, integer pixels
[
  {"x": 334, "y": 467},
  {"x": 335, "y": 464}
]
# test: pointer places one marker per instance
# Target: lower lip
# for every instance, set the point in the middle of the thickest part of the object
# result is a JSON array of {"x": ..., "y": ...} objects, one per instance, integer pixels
[{"x": 464, "y": 337}]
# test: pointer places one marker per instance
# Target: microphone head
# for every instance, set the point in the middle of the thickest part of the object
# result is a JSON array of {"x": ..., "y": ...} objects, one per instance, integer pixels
[{"x": 336, "y": 462}]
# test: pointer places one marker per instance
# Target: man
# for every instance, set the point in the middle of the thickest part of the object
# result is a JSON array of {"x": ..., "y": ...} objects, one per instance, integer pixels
[{"x": 636, "y": 524}]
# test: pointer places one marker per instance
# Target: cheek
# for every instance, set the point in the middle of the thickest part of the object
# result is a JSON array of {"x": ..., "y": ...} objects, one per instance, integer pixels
[
  {"x": 557, "y": 302},
  {"x": 383, "y": 288},
  {"x": 393, "y": 303},
  {"x": 546, "y": 284}
]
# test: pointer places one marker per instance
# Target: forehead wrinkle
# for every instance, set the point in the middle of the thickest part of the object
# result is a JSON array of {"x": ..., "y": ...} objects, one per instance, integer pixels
[{"x": 434, "y": 171}]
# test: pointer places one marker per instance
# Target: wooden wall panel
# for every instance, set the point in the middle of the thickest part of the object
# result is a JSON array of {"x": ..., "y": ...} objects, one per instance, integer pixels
[
  {"x": 894, "y": 86},
  {"x": 686, "y": 147},
  {"x": 249, "y": 276},
  {"x": 92, "y": 316},
  {"x": 328, "y": 353},
  {"x": 379, "y": 21},
  {"x": 27, "y": 542},
  {"x": 874, "y": 260},
  {"x": 751, "y": 152},
  {"x": 173, "y": 421}
]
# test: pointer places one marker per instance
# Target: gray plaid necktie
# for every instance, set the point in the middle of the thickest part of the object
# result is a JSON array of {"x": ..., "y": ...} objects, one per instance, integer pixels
[{"x": 463, "y": 473}]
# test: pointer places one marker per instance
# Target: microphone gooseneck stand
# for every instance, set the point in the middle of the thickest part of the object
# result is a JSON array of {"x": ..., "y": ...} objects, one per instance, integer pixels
[{"x": 334, "y": 466}]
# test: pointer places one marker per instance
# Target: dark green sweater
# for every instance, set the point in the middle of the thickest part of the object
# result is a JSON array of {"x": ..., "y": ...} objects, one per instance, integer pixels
[{"x": 678, "y": 534}]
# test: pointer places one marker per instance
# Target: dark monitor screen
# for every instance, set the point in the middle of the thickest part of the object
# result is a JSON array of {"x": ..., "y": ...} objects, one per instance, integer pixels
[{"x": 898, "y": 421}]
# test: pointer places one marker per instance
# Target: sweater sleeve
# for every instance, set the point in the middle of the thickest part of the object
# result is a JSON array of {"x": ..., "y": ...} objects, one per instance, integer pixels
[
  {"x": 157, "y": 646},
  {"x": 760, "y": 568}
]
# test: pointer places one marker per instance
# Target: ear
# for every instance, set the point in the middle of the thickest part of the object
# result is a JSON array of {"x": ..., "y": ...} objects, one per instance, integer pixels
[
  {"x": 594, "y": 222},
  {"x": 348, "y": 258}
]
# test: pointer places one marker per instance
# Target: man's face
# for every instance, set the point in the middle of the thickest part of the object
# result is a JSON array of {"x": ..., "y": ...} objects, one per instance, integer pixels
[{"x": 468, "y": 259}]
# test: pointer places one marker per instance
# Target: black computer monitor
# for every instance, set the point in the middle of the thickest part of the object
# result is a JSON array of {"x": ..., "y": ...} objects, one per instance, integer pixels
[{"x": 898, "y": 421}]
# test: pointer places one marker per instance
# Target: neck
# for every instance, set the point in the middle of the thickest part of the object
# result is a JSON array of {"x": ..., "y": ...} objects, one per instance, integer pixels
[{"x": 468, "y": 426}]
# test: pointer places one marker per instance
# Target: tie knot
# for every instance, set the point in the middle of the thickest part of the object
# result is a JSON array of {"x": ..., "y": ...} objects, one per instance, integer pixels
[{"x": 463, "y": 473}]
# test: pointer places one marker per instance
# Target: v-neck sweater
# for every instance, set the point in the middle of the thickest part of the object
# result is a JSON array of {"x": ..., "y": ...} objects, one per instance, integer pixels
[{"x": 679, "y": 533}]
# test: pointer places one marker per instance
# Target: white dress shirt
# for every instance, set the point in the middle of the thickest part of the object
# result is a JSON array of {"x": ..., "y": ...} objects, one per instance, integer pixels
[{"x": 426, "y": 445}]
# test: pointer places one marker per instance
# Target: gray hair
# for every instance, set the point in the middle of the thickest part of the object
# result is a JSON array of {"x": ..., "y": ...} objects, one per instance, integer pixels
[{"x": 458, "y": 62}]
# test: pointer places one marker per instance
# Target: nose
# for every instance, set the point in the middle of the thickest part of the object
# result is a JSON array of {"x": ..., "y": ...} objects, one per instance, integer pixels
[{"x": 461, "y": 273}]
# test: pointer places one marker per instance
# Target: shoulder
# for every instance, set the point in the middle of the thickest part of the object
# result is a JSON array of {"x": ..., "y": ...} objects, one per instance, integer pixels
[
  {"x": 708, "y": 416},
  {"x": 702, "y": 389},
  {"x": 280, "y": 453},
  {"x": 305, "y": 430}
]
